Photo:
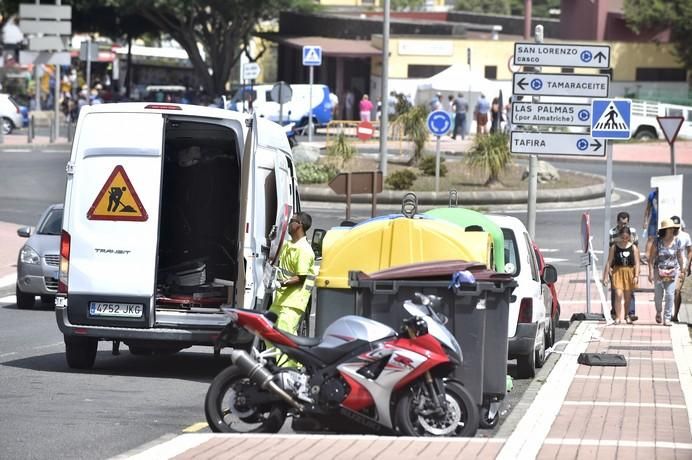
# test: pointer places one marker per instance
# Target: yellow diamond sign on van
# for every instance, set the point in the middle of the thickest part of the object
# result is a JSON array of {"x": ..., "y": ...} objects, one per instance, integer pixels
[{"x": 117, "y": 200}]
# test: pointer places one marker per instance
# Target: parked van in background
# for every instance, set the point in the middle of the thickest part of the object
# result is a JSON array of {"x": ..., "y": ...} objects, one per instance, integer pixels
[
  {"x": 644, "y": 125},
  {"x": 170, "y": 211},
  {"x": 296, "y": 110}
]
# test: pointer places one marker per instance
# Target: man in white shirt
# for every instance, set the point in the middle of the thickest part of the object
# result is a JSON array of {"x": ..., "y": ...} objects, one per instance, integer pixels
[{"x": 686, "y": 244}]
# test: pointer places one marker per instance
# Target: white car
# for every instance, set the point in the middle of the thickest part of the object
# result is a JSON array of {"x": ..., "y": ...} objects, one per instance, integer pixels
[
  {"x": 11, "y": 115},
  {"x": 530, "y": 322}
]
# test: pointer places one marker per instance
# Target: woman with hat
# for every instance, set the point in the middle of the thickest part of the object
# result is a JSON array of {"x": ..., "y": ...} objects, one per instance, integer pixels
[
  {"x": 623, "y": 267},
  {"x": 666, "y": 261}
]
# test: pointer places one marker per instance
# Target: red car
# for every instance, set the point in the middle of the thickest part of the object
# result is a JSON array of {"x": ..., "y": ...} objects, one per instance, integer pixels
[{"x": 555, "y": 314}]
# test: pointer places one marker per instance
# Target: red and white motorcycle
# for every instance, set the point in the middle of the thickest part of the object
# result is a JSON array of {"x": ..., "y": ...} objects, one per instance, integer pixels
[{"x": 360, "y": 376}]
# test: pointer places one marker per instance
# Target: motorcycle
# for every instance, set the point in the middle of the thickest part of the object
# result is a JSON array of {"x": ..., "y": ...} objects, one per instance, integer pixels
[{"x": 361, "y": 376}]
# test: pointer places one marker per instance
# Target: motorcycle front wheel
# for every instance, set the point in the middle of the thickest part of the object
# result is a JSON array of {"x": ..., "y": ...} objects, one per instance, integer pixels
[
  {"x": 416, "y": 414},
  {"x": 229, "y": 408}
]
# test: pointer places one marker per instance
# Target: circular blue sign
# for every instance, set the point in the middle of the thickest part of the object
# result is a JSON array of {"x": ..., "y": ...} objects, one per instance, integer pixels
[
  {"x": 439, "y": 122},
  {"x": 536, "y": 84},
  {"x": 582, "y": 144},
  {"x": 583, "y": 114},
  {"x": 586, "y": 56}
]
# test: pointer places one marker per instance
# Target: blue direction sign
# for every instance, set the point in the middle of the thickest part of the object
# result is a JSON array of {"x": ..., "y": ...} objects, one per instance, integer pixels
[
  {"x": 439, "y": 122},
  {"x": 312, "y": 55},
  {"x": 611, "y": 118}
]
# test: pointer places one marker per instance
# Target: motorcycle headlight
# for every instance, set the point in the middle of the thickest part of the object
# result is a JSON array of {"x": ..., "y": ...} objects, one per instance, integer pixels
[{"x": 29, "y": 256}]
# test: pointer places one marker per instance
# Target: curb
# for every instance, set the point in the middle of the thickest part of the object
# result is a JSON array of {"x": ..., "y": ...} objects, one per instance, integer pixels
[
  {"x": 475, "y": 197},
  {"x": 511, "y": 422},
  {"x": 37, "y": 146}
]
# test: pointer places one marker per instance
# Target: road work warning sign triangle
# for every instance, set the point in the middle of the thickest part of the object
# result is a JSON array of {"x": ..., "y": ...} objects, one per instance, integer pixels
[
  {"x": 611, "y": 120},
  {"x": 117, "y": 200}
]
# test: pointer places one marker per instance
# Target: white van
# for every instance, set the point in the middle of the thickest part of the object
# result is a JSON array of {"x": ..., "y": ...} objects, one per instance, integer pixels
[
  {"x": 167, "y": 208},
  {"x": 644, "y": 125},
  {"x": 530, "y": 326},
  {"x": 296, "y": 110}
]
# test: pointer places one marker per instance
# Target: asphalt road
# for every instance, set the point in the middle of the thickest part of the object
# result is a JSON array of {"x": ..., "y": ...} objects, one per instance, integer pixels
[{"x": 49, "y": 411}]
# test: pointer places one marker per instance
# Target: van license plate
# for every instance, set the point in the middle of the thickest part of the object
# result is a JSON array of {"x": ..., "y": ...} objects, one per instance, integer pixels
[{"x": 121, "y": 310}]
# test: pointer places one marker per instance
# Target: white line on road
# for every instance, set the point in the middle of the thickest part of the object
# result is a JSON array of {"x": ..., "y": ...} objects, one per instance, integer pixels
[
  {"x": 49, "y": 345},
  {"x": 8, "y": 280},
  {"x": 554, "y": 260},
  {"x": 8, "y": 354},
  {"x": 639, "y": 198},
  {"x": 8, "y": 299}
]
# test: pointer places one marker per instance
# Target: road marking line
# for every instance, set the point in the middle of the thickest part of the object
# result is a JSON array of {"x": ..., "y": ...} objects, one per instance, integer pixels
[
  {"x": 617, "y": 443},
  {"x": 682, "y": 350},
  {"x": 49, "y": 346},
  {"x": 533, "y": 428},
  {"x": 8, "y": 299},
  {"x": 619, "y": 377},
  {"x": 8, "y": 354},
  {"x": 623, "y": 404},
  {"x": 8, "y": 280},
  {"x": 195, "y": 427},
  {"x": 554, "y": 260}
]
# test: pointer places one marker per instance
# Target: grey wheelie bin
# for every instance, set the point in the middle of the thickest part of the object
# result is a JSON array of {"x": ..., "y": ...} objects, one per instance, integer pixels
[{"x": 477, "y": 315}]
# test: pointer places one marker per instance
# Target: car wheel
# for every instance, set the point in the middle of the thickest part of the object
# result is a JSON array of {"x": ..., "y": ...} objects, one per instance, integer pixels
[
  {"x": 526, "y": 367},
  {"x": 24, "y": 300},
  {"x": 80, "y": 352},
  {"x": 48, "y": 300},
  {"x": 7, "y": 126},
  {"x": 645, "y": 134},
  {"x": 539, "y": 358}
]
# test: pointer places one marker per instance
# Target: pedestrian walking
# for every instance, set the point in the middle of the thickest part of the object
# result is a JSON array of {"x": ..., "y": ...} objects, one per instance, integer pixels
[
  {"x": 495, "y": 116},
  {"x": 480, "y": 114},
  {"x": 365, "y": 107},
  {"x": 436, "y": 102},
  {"x": 623, "y": 221},
  {"x": 623, "y": 268},
  {"x": 650, "y": 225},
  {"x": 296, "y": 278},
  {"x": 348, "y": 105},
  {"x": 461, "y": 108},
  {"x": 334, "y": 101},
  {"x": 664, "y": 268},
  {"x": 686, "y": 244}
]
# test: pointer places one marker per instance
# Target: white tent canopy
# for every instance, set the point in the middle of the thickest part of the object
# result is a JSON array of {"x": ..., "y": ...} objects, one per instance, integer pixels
[{"x": 454, "y": 79}]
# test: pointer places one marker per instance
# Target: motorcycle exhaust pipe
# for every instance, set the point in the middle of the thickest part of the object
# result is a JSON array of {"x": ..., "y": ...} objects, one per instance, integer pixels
[{"x": 259, "y": 374}]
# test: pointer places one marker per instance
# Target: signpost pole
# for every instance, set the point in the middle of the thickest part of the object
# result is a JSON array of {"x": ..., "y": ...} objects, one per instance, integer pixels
[
  {"x": 88, "y": 70},
  {"x": 608, "y": 193},
  {"x": 437, "y": 164},
  {"x": 384, "y": 117},
  {"x": 281, "y": 104},
  {"x": 56, "y": 104},
  {"x": 312, "y": 75},
  {"x": 533, "y": 164},
  {"x": 348, "y": 194},
  {"x": 672, "y": 159},
  {"x": 374, "y": 194}
]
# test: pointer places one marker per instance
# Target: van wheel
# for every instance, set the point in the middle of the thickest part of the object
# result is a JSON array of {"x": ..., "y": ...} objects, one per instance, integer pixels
[
  {"x": 645, "y": 134},
  {"x": 7, "y": 125},
  {"x": 80, "y": 352},
  {"x": 24, "y": 301},
  {"x": 539, "y": 359},
  {"x": 526, "y": 366}
]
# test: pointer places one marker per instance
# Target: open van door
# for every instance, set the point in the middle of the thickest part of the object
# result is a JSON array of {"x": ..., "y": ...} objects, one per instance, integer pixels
[{"x": 247, "y": 167}]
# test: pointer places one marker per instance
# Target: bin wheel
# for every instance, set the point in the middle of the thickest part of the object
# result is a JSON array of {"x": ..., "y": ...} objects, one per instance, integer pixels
[{"x": 486, "y": 422}]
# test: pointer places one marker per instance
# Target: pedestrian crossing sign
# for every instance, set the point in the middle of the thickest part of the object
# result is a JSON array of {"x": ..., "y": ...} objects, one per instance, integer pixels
[
  {"x": 611, "y": 118},
  {"x": 117, "y": 200},
  {"x": 312, "y": 55}
]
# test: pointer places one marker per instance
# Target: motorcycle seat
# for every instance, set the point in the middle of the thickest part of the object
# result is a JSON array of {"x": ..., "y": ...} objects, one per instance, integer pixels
[
  {"x": 329, "y": 355},
  {"x": 303, "y": 341}
]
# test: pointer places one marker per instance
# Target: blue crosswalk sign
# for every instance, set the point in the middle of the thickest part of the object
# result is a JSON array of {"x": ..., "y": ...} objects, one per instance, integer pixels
[
  {"x": 611, "y": 118},
  {"x": 312, "y": 55}
]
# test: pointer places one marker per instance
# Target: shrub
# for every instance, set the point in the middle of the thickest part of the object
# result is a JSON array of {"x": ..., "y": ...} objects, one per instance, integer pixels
[
  {"x": 413, "y": 122},
  {"x": 490, "y": 154},
  {"x": 315, "y": 173},
  {"x": 427, "y": 166},
  {"x": 401, "y": 180}
]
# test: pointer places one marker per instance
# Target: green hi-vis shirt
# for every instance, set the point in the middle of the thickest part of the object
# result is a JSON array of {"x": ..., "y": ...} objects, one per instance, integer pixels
[{"x": 296, "y": 259}]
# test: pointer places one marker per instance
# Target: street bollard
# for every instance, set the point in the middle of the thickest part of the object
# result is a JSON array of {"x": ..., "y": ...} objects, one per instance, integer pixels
[
  {"x": 51, "y": 133},
  {"x": 69, "y": 132},
  {"x": 30, "y": 131}
]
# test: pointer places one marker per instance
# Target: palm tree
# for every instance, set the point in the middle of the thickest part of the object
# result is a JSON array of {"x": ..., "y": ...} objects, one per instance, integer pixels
[
  {"x": 490, "y": 154},
  {"x": 413, "y": 123}
]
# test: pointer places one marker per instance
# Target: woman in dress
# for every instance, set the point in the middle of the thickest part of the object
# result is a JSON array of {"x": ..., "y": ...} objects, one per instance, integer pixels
[
  {"x": 664, "y": 268},
  {"x": 365, "y": 108},
  {"x": 623, "y": 267}
]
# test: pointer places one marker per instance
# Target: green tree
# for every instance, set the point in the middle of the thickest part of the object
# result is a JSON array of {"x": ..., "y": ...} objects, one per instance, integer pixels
[
  {"x": 662, "y": 14},
  {"x": 484, "y": 6},
  {"x": 413, "y": 123},
  {"x": 215, "y": 33},
  {"x": 490, "y": 155}
]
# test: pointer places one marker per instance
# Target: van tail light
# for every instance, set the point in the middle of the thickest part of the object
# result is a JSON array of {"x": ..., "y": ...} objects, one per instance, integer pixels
[
  {"x": 526, "y": 310},
  {"x": 64, "y": 261}
]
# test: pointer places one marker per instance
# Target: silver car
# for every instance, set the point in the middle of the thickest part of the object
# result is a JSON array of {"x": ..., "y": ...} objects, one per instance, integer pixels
[{"x": 39, "y": 259}]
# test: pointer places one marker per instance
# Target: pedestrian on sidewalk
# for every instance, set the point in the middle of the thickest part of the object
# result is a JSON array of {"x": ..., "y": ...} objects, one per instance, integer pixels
[
  {"x": 686, "y": 243},
  {"x": 461, "y": 108},
  {"x": 650, "y": 225},
  {"x": 664, "y": 268},
  {"x": 623, "y": 267},
  {"x": 623, "y": 221},
  {"x": 480, "y": 113},
  {"x": 365, "y": 107}
]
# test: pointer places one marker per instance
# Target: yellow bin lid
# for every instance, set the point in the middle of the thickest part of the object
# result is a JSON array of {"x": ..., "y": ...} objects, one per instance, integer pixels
[{"x": 387, "y": 243}]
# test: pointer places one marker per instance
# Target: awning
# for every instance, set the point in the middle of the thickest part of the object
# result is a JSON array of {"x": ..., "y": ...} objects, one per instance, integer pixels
[{"x": 332, "y": 47}]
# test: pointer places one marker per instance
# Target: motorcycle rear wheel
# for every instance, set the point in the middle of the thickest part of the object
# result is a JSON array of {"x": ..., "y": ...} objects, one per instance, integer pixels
[
  {"x": 227, "y": 410},
  {"x": 460, "y": 419}
]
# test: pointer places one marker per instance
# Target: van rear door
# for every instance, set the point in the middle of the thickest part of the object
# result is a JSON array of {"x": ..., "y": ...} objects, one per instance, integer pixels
[{"x": 112, "y": 216}]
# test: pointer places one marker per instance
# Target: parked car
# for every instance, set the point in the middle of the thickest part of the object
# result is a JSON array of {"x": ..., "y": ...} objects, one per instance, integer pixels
[
  {"x": 11, "y": 115},
  {"x": 39, "y": 259},
  {"x": 530, "y": 314},
  {"x": 555, "y": 314}
]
